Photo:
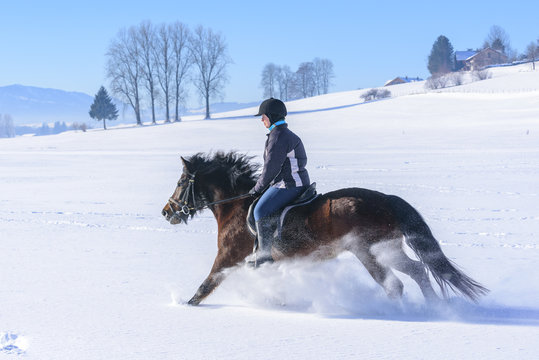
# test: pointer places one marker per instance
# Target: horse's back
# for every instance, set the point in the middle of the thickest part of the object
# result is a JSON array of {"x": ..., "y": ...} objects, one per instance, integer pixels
[
  {"x": 333, "y": 215},
  {"x": 355, "y": 192}
]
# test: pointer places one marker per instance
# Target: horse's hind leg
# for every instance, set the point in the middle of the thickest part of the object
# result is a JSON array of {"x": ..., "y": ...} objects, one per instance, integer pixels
[
  {"x": 418, "y": 273},
  {"x": 397, "y": 259},
  {"x": 380, "y": 273}
]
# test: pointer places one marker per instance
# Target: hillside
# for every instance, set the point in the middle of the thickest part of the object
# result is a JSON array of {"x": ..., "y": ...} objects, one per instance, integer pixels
[
  {"x": 32, "y": 105},
  {"x": 504, "y": 80},
  {"x": 91, "y": 270}
]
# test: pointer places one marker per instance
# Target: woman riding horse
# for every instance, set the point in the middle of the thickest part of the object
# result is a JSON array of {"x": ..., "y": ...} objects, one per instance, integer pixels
[
  {"x": 283, "y": 177},
  {"x": 371, "y": 225}
]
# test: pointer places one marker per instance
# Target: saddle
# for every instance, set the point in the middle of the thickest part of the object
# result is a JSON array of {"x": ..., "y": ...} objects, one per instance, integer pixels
[{"x": 308, "y": 196}]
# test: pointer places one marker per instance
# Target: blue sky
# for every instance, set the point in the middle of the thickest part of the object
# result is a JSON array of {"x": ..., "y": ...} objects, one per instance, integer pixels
[{"x": 62, "y": 44}]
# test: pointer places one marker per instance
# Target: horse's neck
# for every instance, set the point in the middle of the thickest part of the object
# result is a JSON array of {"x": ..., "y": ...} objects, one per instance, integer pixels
[{"x": 227, "y": 210}]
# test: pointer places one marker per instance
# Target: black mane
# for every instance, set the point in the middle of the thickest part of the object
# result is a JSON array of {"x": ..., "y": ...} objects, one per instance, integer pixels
[{"x": 230, "y": 171}]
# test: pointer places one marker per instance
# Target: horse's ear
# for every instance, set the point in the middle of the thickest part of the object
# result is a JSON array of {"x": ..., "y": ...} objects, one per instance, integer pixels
[{"x": 186, "y": 164}]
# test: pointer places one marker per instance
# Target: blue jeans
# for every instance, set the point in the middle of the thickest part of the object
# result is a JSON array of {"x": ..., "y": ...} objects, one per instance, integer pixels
[{"x": 275, "y": 199}]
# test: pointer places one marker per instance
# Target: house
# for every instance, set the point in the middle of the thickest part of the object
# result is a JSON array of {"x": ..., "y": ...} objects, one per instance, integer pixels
[
  {"x": 402, "y": 80},
  {"x": 475, "y": 60},
  {"x": 461, "y": 57}
]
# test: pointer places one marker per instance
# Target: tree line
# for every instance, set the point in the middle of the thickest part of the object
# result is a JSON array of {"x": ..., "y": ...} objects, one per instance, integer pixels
[
  {"x": 442, "y": 56},
  {"x": 154, "y": 64},
  {"x": 9, "y": 130},
  {"x": 310, "y": 79}
]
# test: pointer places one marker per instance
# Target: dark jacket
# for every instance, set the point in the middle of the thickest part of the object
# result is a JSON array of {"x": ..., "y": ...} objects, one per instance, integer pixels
[{"x": 284, "y": 161}]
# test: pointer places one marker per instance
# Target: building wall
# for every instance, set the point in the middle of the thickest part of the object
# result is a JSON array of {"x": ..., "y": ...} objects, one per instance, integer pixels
[{"x": 485, "y": 58}]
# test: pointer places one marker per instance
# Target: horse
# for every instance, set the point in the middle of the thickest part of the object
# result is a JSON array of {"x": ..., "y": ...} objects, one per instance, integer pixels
[{"x": 371, "y": 225}]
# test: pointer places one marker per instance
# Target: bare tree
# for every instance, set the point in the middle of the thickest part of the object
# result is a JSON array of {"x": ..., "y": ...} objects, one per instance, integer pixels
[
  {"x": 125, "y": 70},
  {"x": 146, "y": 39},
  {"x": 498, "y": 39},
  {"x": 285, "y": 79},
  {"x": 279, "y": 82},
  {"x": 210, "y": 57},
  {"x": 182, "y": 61},
  {"x": 269, "y": 81},
  {"x": 532, "y": 51},
  {"x": 7, "y": 129},
  {"x": 305, "y": 80},
  {"x": 317, "y": 68},
  {"x": 323, "y": 69},
  {"x": 163, "y": 59}
]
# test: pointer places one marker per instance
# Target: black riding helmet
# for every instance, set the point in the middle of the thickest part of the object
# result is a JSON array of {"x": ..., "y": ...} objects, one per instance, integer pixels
[{"x": 274, "y": 109}]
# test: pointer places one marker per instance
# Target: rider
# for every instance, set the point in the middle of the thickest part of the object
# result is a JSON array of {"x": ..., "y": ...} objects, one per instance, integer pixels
[{"x": 283, "y": 177}]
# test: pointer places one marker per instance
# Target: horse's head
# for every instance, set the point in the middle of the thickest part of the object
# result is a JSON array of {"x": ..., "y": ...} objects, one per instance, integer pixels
[
  {"x": 209, "y": 180},
  {"x": 181, "y": 204}
]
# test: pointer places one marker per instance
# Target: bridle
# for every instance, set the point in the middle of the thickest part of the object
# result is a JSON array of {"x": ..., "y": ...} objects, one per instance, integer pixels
[{"x": 184, "y": 205}]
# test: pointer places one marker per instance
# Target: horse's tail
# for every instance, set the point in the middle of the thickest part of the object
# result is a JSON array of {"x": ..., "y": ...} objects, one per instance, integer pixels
[{"x": 420, "y": 239}]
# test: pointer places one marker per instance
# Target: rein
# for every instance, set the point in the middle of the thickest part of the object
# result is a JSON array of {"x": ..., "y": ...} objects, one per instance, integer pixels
[{"x": 184, "y": 206}]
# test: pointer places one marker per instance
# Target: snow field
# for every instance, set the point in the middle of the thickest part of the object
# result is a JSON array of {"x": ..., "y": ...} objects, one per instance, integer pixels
[{"x": 90, "y": 269}]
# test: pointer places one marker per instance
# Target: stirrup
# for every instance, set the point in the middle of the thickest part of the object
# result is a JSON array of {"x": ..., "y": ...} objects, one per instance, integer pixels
[{"x": 256, "y": 263}]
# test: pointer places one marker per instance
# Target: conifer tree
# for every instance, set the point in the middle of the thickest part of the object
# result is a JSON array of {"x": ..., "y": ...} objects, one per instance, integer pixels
[
  {"x": 103, "y": 108},
  {"x": 441, "y": 56}
]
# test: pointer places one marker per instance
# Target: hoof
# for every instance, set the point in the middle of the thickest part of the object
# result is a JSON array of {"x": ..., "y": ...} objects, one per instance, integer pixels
[
  {"x": 394, "y": 288},
  {"x": 193, "y": 302}
]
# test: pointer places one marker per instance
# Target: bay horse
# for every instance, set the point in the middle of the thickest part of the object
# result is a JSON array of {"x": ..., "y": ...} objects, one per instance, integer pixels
[{"x": 371, "y": 225}]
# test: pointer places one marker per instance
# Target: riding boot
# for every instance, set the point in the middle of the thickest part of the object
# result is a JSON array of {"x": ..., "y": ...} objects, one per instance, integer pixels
[{"x": 265, "y": 229}]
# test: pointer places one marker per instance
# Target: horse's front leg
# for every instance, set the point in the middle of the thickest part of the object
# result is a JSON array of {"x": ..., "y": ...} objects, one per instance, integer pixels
[
  {"x": 234, "y": 243},
  {"x": 212, "y": 281},
  {"x": 225, "y": 259}
]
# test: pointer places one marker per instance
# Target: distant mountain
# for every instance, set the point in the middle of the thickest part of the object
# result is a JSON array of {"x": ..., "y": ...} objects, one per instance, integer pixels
[
  {"x": 28, "y": 105},
  {"x": 33, "y": 105}
]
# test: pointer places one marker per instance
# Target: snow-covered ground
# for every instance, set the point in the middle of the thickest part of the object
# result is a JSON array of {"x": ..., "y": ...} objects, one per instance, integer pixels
[{"x": 89, "y": 269}]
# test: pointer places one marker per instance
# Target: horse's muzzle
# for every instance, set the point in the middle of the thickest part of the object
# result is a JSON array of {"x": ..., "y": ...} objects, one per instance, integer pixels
[{"x": 173, "y": 217}]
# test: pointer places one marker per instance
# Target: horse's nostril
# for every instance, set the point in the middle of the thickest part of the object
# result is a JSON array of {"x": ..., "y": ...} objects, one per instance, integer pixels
[{"x": 164, "y": 213}]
